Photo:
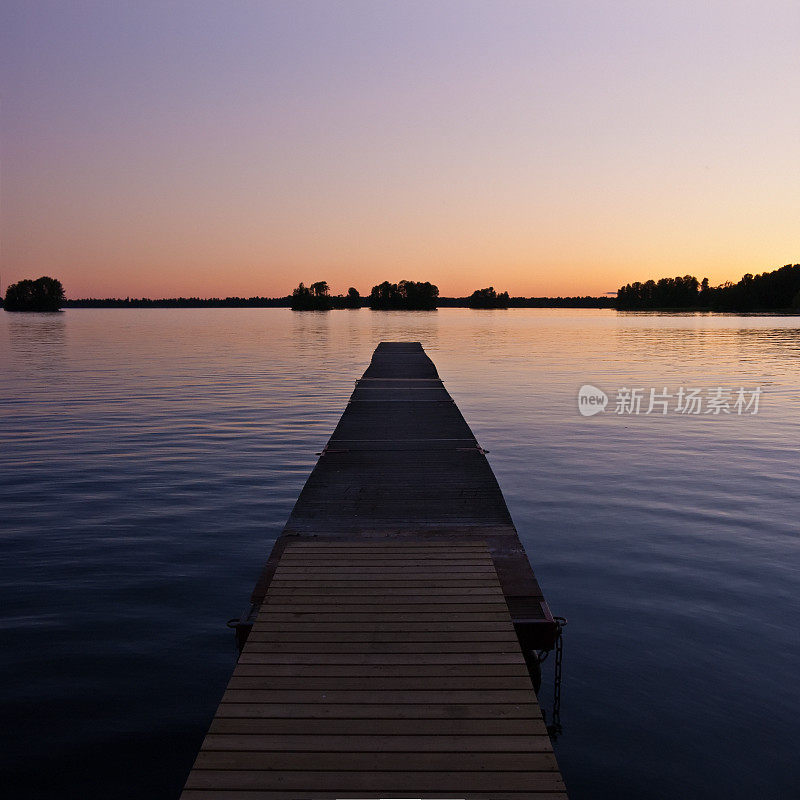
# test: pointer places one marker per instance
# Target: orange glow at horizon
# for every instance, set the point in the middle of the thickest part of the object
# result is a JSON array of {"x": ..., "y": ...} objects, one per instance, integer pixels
[{"x": 197, "y": 150}]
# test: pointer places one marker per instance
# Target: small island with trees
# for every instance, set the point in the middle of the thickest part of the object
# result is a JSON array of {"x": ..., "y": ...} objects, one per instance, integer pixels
[
  {"x": 405, "y": 295},
  {"x": 488, "y": 298},
  {"x": 42, "y": 294},
  {"x": 317, "y": 297}
]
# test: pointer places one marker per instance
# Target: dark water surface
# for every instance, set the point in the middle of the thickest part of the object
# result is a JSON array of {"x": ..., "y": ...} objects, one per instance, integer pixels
[{"x": 148, "y": 459}]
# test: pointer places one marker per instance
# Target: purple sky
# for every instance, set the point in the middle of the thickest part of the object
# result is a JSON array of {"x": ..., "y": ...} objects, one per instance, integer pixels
[{"x": 165, "y": 148}]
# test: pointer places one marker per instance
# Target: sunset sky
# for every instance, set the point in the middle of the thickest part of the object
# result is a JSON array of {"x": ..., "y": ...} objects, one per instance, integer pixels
[{"x": 235, "y": 148}]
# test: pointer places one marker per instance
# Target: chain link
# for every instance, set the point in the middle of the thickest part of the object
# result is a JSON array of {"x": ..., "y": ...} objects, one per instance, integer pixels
[{"x": 554, "y": 729}]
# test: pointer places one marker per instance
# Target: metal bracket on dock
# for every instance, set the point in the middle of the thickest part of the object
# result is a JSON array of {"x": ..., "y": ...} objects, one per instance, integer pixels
[
  {"x": 242, "y": 626},
  {"x": 325, "y": 450}
]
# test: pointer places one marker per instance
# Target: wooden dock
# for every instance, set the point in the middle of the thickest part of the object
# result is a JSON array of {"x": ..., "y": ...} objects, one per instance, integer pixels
[{"x": 383, "y": 652}]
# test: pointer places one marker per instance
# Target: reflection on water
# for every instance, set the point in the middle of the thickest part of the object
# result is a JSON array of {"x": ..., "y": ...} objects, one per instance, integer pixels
[
  {"x": 36, "y": 339},
  {"x": 149, "y": 457}
]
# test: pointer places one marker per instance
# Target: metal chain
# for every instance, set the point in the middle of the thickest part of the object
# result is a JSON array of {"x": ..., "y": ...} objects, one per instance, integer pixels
[{"x": 554, "y": 729}]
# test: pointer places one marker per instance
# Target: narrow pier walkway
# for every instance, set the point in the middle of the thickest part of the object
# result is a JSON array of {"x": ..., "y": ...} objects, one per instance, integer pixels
[
  {"x": 384, "y": 658},
  {"x": 403, "y": 464}
]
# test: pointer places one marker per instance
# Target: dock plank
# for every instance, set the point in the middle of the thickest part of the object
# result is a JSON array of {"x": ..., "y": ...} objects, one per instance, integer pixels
[
  {"x": 372, "y": 760},
  {"x": 398, "y": 780},
  {"x": 216, "y": 794},
  {"x": 311, "y": 743},
  {"x": 443, "y": 729}
]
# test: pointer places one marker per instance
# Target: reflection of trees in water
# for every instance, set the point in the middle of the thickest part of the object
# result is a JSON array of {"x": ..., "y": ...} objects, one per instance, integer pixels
[
  {"x": 784, "y": 342},
  {"x": 311, "y": 333},
  {"x": 405, "y": 326},
  {"x": 38, "y": 340},
  {"x": 719, "y": 339},
  {"x": 317, "y": 334}
]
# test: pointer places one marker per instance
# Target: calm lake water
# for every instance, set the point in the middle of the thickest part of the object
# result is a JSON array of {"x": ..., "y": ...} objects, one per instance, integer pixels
[{"x": 149, "y": 458}]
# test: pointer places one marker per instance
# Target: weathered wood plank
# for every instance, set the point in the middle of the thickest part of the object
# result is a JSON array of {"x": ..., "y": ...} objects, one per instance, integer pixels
[
  {"x": 338, "y": 615},
  {"x": 441, "y": 728},
  {"x": 276, "y": 605},
  {"x": 427, "y": 683},
  {"x": 421, "y": 569},
  {"x": 336, "y": 696},
  {"x": 351, "y": 582},
  {"x": 432, "y": 625},
  {"x": 371, "y": 761},
  {"x": 233, "y": 794},
  {"x": 382, "y": 647},
  {"x": 377, "y": 593},
  {"x": 381, "y": 782},
  {"x": 356, "y": 659},
  {"x": 310, "y": 743},
  {"x": 302, "y": 671},
  {"x": 381, "y": 710},
  {"x": 320, "y": 634}
]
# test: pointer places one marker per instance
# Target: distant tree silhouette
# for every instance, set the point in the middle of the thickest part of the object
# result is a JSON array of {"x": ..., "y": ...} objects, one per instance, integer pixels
[
  {"x": 407, "y": 295},
  {"x": 180, "y": 302},
  {"x": 537, "y": 302},
  {"x": 43, "y": 294},
  {"x": 769, "y": 291},
  {"x": 311, "y": 298},
  {"x": 488, "y": 298},
  {"x": 338, "y": 301},
  {"x": 666, "y": 293},
  {"x": 353, "y": 299},
  {"x": 704, "y": 296}
]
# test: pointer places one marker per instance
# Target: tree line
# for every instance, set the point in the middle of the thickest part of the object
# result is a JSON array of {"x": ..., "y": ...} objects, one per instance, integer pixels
[
  {"x": 424, "y": 296},
  {"x": 386, "y": 296},
  {"x": 178, "y": 302},
  {"x": 778, "y": 290},
  {"x": 47, "y": 294}
]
